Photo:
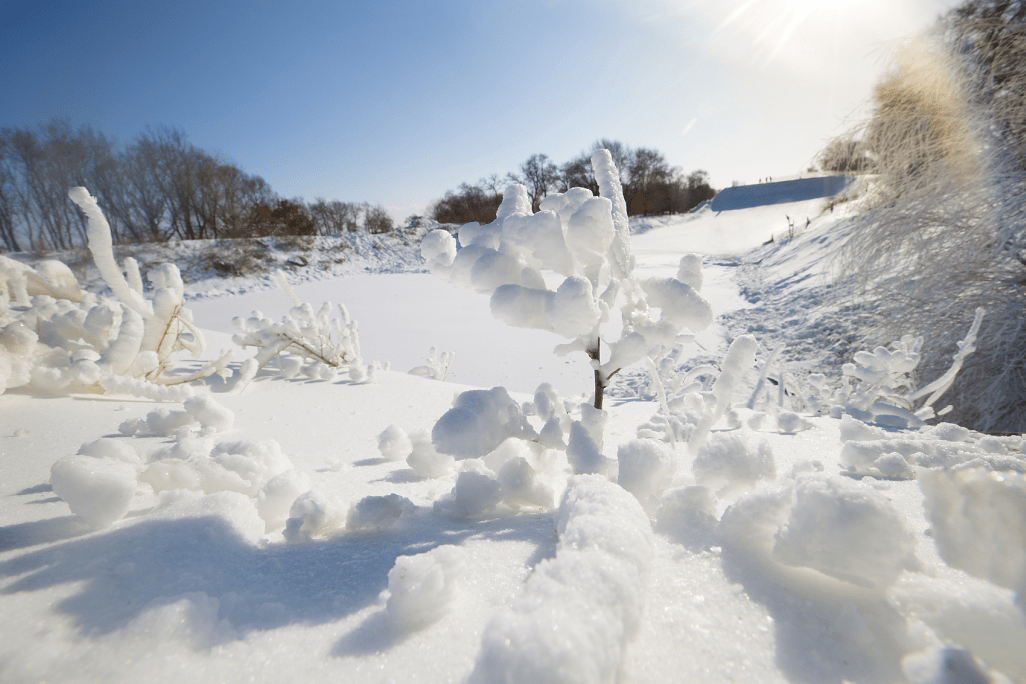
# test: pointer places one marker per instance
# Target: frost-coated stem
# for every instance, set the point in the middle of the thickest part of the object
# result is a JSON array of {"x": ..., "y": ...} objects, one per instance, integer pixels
[
  {"x": 102, "y": 247},
  {"x": 762, "y": 376},
  {"x": 661, "y": 394},
  {"x": 966, "y": 347}
]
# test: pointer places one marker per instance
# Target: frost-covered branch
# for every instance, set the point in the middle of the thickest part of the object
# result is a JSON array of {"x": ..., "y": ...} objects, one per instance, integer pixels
[{"x": 60, "y": 337}]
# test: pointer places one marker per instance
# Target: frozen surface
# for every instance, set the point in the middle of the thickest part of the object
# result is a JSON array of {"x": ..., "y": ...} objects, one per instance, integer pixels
[{"x": 311, "y": 530}]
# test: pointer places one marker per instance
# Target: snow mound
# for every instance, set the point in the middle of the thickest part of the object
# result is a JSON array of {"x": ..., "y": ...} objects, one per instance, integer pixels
[
  {"x": 604, "y": 548},
  {"x": 845, "y": 530}
]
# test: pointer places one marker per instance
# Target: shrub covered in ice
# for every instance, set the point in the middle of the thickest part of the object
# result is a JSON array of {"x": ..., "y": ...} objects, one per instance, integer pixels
[
  {"x": 604, "y": 548},
  {"x": 438, "y": 365},
  {"x": 978, "y": 519},
  {"x": 317, "y": 345},
  {"x": 586, "y": 241},
  {"x": 421, "y": 587},
  {"x": 880, "y": 385},
  {"x": 846, "y": 530},
  {"x": 61, "y": 338},
  {"x": 731, "y": 461}
]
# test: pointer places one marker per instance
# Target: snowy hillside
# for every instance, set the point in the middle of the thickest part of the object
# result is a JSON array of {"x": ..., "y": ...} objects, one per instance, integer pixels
[{"x": 744, "y": 520}]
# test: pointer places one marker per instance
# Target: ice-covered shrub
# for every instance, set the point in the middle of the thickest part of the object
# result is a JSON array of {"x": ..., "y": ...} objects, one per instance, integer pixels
[
  {"x": 583, "y": 242},
  {"x": 881, "y": 385},
  {"x": 438, "y": 365},
  {"x": 58, "y": 337},
  {"x": 315, "y": 345},
  {"x": 942, "y": 232}
]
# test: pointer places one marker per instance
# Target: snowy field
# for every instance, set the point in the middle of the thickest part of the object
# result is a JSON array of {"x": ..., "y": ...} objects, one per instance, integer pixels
[{"x": 307, "y": 530}]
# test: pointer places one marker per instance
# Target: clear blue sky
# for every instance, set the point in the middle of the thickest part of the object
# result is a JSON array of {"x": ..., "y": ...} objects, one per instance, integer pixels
[{"x": 395, "y": 102}]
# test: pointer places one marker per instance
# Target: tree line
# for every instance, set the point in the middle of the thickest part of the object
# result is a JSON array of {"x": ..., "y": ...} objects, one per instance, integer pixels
[
  {"x": 650, "y": 185},
  {"x": 156, "y": 188}
]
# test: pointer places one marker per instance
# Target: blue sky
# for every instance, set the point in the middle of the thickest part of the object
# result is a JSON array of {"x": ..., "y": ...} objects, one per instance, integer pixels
[{"x": 393, "y": 103}]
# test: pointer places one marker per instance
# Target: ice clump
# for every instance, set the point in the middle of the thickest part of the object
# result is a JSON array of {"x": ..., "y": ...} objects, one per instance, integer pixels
[
  {"x": 846, "y": 530},
  {"x": 425, "y": 460},
  {"x": 584, "y": 446},
  {"x": 115, "y": 449},
  {"x": 479, "y": 421},
  {"x": 98, "y": 490},
  {"x": 313, "y": 515},
  {"x": 604, "y": 548},
  {"x": 201, "y": 410},
  {"x": 421, "y": 587},
  {"x": 394, "y": 444},
  {"x": 378, "y": 513},
  {"x": 522, "y": 486},
  {"x": 276, "y": 496},
  {"x": 646, "y": 470},
  {"x": 729, "y": 462}
]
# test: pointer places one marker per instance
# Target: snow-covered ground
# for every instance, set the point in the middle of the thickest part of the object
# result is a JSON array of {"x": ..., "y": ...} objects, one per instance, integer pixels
[{"x": 788, "y": 548}]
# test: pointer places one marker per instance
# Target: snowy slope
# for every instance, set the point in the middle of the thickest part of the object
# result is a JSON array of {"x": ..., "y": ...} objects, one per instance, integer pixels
[{"x": 791, "y": 573}]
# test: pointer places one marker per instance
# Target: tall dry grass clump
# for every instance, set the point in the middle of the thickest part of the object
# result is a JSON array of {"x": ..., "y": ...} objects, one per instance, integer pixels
[{"x": 943, "y": 230}]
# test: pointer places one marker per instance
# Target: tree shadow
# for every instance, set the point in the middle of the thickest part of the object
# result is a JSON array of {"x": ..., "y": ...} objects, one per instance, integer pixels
[
  {"x": 377, "y": 633},
  {"x": 123, "y": 570},
  {"x": 36, "y": 532}
]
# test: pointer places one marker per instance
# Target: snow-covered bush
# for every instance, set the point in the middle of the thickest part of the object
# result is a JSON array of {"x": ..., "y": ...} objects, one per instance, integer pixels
[
  {"x": 315, "y": 345},
  {"x": 942, "y": 232},
  {"x": 55, "y": 336},
  {"x": 881, "y": 386},
  {"x": 438, "y": 365},
  {"x": 583, "y": 242}
]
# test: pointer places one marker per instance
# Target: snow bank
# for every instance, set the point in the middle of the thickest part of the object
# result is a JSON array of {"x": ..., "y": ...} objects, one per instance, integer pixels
[{"x": 579, "y": 609}]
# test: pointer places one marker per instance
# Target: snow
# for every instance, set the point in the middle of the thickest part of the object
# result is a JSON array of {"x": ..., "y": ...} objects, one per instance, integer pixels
[{"x": 495, "y": 528}]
